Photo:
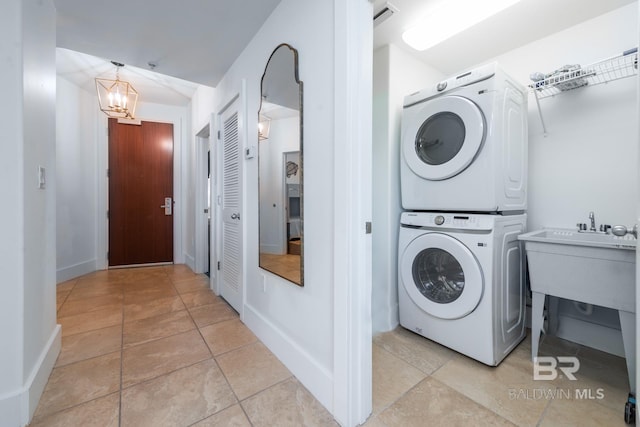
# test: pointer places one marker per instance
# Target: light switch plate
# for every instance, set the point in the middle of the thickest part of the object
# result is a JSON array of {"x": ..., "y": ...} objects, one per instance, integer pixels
[{"x": 250, "y": 152}]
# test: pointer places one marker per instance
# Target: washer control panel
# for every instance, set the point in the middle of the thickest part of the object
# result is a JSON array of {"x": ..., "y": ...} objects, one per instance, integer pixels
[{"x": 460, "y": 221}]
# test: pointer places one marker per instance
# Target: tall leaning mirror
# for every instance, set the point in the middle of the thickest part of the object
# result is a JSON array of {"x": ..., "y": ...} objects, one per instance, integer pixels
[{"x": 280, "y": 167}]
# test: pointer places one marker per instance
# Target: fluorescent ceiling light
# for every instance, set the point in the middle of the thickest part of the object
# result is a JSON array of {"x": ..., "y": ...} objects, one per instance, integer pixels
[{"x": 449, "y": 18}]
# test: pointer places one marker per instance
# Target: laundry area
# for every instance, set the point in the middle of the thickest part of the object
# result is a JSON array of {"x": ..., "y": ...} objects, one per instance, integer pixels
[{"x": 505, "y": 184}]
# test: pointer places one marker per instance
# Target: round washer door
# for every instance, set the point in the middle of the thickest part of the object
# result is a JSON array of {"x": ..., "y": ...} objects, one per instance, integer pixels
[
  {"x": 441, "y": 276},
  {"x": 444, "y": 137}
]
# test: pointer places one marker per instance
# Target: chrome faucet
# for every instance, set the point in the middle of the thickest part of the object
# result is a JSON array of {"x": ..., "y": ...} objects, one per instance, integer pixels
[{"x": 592, "y": 218}]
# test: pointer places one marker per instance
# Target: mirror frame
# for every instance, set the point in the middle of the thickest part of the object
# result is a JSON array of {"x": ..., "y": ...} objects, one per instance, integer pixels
[{"x": 301, "y": 168}]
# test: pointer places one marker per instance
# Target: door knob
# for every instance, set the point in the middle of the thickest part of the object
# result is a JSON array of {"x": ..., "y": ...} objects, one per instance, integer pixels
[{"x": 235, "y": 216}]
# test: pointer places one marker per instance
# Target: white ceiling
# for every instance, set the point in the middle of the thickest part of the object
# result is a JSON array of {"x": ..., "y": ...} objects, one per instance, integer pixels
[
  {"x": 516, "y": 26},
  {"x": 82, "y": 69},
  {"x": 196, "y": 41}
]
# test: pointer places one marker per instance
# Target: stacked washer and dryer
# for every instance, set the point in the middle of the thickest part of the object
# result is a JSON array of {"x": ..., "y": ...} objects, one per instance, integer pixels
[{"x": 463, "y": 172}]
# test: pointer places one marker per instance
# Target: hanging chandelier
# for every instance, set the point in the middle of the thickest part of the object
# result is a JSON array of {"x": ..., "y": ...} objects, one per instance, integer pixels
[
  {"x": 117, "y": 98},
  {"x": 264, "y": 124}
]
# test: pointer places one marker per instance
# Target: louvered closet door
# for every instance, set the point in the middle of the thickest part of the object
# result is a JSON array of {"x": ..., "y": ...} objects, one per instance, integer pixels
[{"x": 231, "y": 259}]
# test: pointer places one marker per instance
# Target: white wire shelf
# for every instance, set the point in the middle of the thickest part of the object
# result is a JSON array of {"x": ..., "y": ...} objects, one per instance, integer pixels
[
  {"x": 610, "y": 69},
  {"x": 573, "y": 77}
]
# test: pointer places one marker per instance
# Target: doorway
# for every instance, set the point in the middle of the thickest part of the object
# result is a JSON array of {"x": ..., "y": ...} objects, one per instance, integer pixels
[
  {"x": 140, "y": 203},
  {"x": 204, "y": 212}
]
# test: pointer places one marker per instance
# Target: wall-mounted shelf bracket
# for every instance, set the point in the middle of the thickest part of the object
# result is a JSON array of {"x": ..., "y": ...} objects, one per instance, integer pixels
[{"x": 572, "y": 77}]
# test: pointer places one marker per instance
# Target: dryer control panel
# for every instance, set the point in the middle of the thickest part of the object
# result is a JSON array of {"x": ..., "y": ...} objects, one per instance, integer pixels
[
  {"x": 464, "y": 79},
  {"x": 454, "y": 221}
]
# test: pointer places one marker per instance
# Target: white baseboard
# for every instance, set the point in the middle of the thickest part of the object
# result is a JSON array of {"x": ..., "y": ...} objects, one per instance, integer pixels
[
  {"x": 17, "y": 409},
  {"x": 76, "y": 270},
  {"x": 190, "y": 261},
  {"x": 316, "y": 378},
  {"x": 10, "y": 409}
]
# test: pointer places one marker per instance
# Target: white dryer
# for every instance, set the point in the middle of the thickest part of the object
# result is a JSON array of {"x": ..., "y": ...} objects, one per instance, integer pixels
[
  {"x": 464, "y": 144},
  {"x": 462, "y": 281}
]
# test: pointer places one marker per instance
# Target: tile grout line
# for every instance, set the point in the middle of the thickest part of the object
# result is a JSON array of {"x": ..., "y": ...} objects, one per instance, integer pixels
[
  {"x": 434, "y": 379},
  {"x": 462, "y": 356},
  {"x": 214, "y": 357},
  {"x": 217, "y": 365},
  {"x": 211, "y": 356},
  {"x": 121, "y": 361},
  {"x": 66, "y": 296},
  {"x": 544, "y": 411}
]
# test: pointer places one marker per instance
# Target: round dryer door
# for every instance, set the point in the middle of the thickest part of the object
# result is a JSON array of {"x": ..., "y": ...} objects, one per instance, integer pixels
[
  {"x": 441, "y": 276},
  {"x": 444, "y": 137}
]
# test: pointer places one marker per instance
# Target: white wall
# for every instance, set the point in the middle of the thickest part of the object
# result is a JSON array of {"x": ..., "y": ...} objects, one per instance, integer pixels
[
  {"x": 76, "y": 177},
  {"x": 286, "y": 313},
  {"x": 30, "y": 337},
  {"x": 637, "y": 349},
  {"x": 12, "y": 221},
  {"x": 297, "y": 323},
  {"x": 395, "y": 74},
  {"x": 202, "y": 106},
  {"x": 587, "y": 162}
]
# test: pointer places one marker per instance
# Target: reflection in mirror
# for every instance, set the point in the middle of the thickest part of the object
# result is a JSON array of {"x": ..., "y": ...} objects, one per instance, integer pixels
[{"x": 280, "y": 167}]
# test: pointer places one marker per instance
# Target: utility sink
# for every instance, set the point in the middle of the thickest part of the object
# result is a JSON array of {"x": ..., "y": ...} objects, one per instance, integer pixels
[
  {"x": 571, "y": 237},
  {"x": 594, "y": 268}
]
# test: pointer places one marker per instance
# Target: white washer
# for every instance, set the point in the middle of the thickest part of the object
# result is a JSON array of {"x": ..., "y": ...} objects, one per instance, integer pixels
[
  {"x": 461, "y": 281},
  {"x": 464, "y": 144}
]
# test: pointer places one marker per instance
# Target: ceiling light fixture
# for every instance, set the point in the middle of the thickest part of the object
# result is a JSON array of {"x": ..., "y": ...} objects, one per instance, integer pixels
[
  {"x": 117, "y": 98},
  {"x": 449, "y": 18}
]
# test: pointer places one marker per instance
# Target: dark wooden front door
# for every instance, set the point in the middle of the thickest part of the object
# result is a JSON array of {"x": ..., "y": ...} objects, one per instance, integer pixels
[{"x": 140, "y": 179}]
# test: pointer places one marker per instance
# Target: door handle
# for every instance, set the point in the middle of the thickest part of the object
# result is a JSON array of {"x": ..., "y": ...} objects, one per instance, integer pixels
[
  {"x": 235, "y": 216},
  {"x": 167, "y": 206}
]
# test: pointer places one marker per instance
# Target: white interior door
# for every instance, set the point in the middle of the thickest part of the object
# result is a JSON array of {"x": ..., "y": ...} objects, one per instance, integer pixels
[{"x": 231, "y": 206}]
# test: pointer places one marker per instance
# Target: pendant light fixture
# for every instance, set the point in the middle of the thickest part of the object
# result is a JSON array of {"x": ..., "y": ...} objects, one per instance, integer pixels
[
  {"x": 264, "y": 124},
  {"x": 117, "y": 98}
]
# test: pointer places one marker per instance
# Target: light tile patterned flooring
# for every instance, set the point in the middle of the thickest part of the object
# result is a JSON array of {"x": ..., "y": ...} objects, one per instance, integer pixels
[
  {"x": 420, "y": 383},
  {"x": 155, "y": 347}
]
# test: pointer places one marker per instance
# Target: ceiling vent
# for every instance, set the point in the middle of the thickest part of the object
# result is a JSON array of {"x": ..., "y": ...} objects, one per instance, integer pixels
[{"x": 384, "y": 13}]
